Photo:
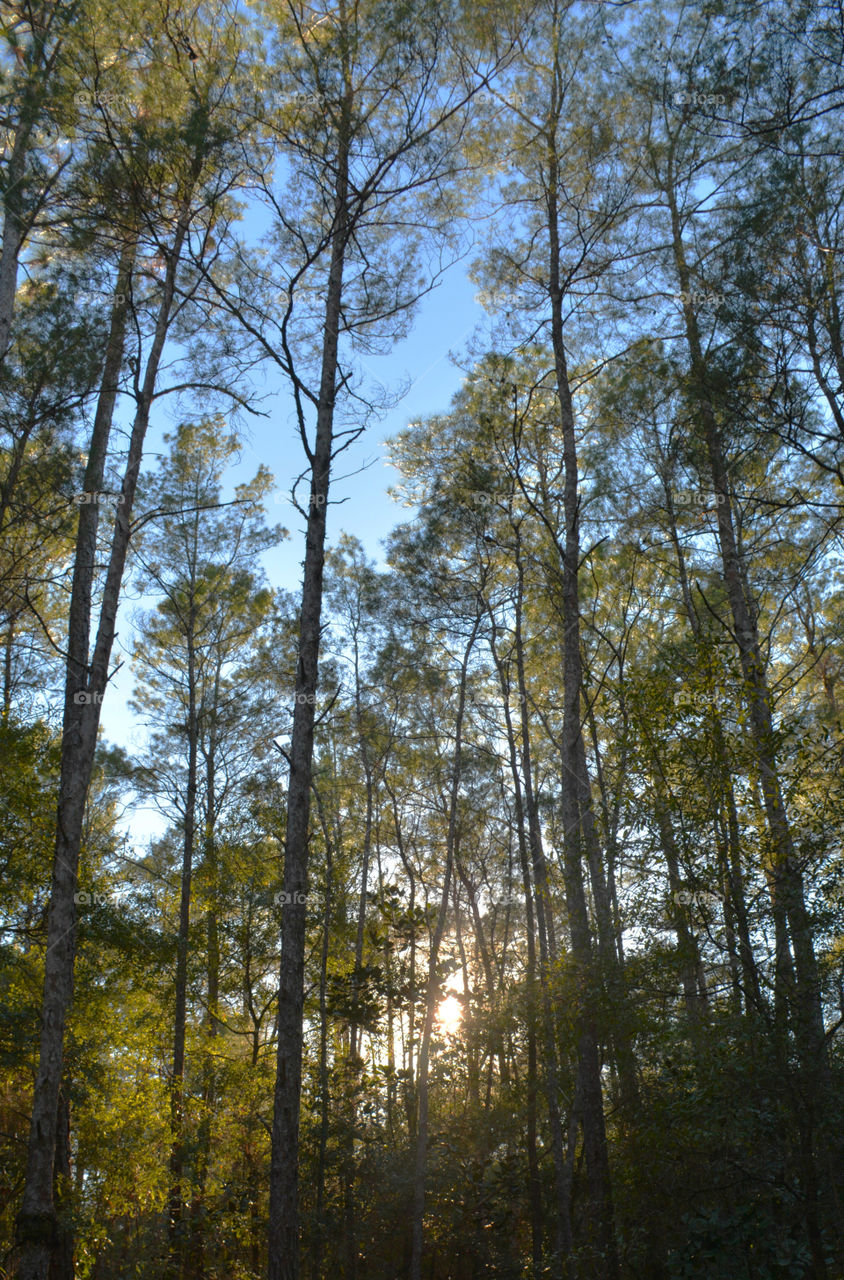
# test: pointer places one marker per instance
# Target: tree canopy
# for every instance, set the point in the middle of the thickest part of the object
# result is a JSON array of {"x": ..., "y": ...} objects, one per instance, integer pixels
[{"x": 468, "y": 906}]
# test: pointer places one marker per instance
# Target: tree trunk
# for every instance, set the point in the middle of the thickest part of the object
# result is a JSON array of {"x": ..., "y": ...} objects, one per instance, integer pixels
[
  {"x": 84, "y": 687},
  {"x": 407, "y": 1061},
  {"x": 562, "y": 1217},
  {"x": 750, "y": 977},
  {"x": 175, "y": 1212},
  {"x": 576, "y": 788},
  {"x": 61, "y": 1259},
  {"x": 8, "y": 649},
  {"x": 196, "y": 1259},
  {"x": 610, "y": 818},
  {"x": 786, "y": 871},
  {"x": 534, "y": 1184},
  {"x": 687, "y": 945},
  {"x": 421, "y": 1161},
  {"x": 496, "y": 1038},
  {"x": 353, "y": 1060},
  {"x": 284, "y": 1164},
  {"x": 14, "y": 218},
  {"x": 786, "y": 875},
  {"x": 753, "y": 999},
  {"x": 318, "y": 1239},
  {"x": 526, "y": 808}
]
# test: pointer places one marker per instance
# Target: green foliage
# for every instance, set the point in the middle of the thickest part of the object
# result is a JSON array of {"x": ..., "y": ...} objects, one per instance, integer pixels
[{"x": 700, "y": 311}]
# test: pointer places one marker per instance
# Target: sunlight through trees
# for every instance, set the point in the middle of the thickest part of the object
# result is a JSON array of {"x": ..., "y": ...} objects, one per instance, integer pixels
[{"x": 468, "y": 905}]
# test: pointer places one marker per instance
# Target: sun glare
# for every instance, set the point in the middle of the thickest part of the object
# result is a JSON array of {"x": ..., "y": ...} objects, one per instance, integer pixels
[{"x": 449, "y": 1015}]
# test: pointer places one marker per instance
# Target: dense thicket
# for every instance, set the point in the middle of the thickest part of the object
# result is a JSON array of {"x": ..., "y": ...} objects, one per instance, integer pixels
[{"x": 495, "y": 926}]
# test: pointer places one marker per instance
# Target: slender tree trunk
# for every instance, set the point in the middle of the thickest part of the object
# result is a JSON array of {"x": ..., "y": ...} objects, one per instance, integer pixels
[
  {"x": 17, "y": 456},
  {"x": 254, "y": 1179},
  {"x": 496, "y": 1038},
  {"x": 353, "y": 1060},
  {"x": 750, "y": 976},
  {"x": 610, "y": 826},
  {"x": 526, "y": 802},
  {"x": 620, "y": 1031},
  {"x": 753, "y": 1001},
  {"x": 8, "y": 649},
  {"x": 534, "y": 1182},
  {"x": 84, "y": 688},
  {"x": 284, "y": 1166},
  {"x": 729, "y": 916},
  {"x": 576, "y": 788},
  {"x": 318, "y": 1242},
  {"x": 470, "y": 1039},
  {"x": 563, "y": 1184},
  {"x": 690, "y": 962},
  {"x": 421, "y": 1161},
  {"x": 196, "y": 1258},
  {"x": 408, "y": 1063},
  {"x": 19, "y": 209},
  {"x": 786, "y": 870},
  {"x": 14, "y": 218},
  {"x": 786, "y": 874},
  {"x": 176, "y": 1208},
  {"x": 61, "y": 1259},
  {"x": 389, "y": 981}
]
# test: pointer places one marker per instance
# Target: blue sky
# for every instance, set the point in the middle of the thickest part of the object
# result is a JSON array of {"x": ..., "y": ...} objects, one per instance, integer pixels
[
  {"x": 445, "y": 321},
  {"x": 359, "y": 502}
]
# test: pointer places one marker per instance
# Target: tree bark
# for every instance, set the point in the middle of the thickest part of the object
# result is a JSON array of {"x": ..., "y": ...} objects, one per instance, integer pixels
[
  {"x": 808, "y": 1014},
  {"x": 576, "y": 788},
  {"x": 408, "y": 1092},
  {"x": 421, "y": 1159},
  {"x": 786, "y": 874},
  {"x": 17, "y": 222},
  {"x": 753, "y": 999},
  {"x": 527, "y": 808},
  {"x": 196, "y": 1260},
  {"x": 284, "y": 1261},
  {"x": 175, "y": 1212},
  {"x": 61, "y": 1259},
  {"x": 318, "y": 1239},
  {"x": 353, "y": 1059},
  {"x": 84, "y": 687},
  {"x": 563, "y": 1186}
]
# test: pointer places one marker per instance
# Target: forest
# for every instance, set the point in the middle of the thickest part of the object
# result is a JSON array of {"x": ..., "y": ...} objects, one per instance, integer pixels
[{"x": 466, "y": 902}]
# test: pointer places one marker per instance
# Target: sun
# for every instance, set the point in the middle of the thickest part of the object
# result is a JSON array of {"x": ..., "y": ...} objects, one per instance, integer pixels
[{"x": 449, "y": 1015}]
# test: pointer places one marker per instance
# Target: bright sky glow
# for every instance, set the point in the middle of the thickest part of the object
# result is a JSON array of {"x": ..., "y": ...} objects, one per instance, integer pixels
[{"x": 449, "y": 1015}]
